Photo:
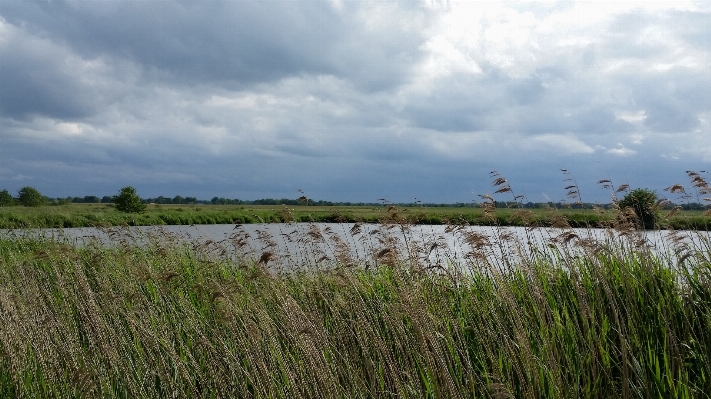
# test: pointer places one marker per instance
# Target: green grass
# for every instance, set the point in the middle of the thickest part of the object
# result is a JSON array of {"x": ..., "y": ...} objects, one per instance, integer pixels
[
  {"x": 92, "y": 215},
  {"x": 181, "y": 320}
]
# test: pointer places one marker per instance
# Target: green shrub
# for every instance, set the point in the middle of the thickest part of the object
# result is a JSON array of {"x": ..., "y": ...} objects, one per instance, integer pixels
[
  {"x": 128, "y": 201},
  {"x": 6, "y": 199},
  {"x": 29, "y": 196},
  {"x": 644, "y": 205}
]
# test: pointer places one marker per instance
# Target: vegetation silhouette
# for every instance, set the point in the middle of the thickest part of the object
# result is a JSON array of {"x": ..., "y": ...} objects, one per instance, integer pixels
[{"x": 128, "y": 201}]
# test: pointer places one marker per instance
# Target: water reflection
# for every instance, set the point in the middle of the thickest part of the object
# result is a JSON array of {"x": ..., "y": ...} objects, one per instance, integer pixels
[{"x": 299, "y": 245}]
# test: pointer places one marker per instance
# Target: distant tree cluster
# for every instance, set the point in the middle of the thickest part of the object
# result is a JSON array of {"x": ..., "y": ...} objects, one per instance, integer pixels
[
  {"x": 27, "y": 196},
  {"x": 128, "y": 201},
  {"x": 225, "y": 201},
  {"x": 89, "y": 199},
  {"x": 694, "y": 206},
  {"x": 177, "y": 200},
  {"x": 6, "y": 199},
  {"x": 30, "y": 196}
]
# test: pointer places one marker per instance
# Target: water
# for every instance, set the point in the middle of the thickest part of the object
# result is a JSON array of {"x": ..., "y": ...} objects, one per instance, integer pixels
[{"x": 297, "y": 245}]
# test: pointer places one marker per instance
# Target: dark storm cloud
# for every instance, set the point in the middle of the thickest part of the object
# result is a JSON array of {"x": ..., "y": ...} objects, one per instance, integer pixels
[
  {"x": 455, "y": 104},
  {"x": 239, "y": 41},
  {"x": 669, "y": 117},
  {"x": 348, "y": 100},
  {"x": 33, "y": 82},
  {"x": 598, "y": 120},
  {"x": 672, "y": 101},
  {"x": 233, "y": 42},
  {"x": 673, "y": 96},
  {"x": 482, "y": 103},
  {"x": 526, "y": 91}
]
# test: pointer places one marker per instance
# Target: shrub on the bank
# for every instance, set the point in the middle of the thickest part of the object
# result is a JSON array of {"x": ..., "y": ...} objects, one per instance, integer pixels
[
  {"x": 29, "y": 196},
  {"x": 128, "y": 201},
  {"x": 643, "y": 203},
  {"x": 6, "y": 199}
]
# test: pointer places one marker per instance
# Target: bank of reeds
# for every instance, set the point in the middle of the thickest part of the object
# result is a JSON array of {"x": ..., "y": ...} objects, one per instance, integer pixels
[
  {"x": 101, "y": 215},
  {"x": 582, "y": 319},
  {"x": 382, "y": 312}
]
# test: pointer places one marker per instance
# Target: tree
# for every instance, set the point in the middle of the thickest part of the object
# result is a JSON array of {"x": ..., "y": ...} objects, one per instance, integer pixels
[
  {"x": 128, "y": 201},
  {"x": 644, "y": 204},
  {"x": 6, "y": 199},
  {"x": 29, "y": 196},
  {"x": 61, "y": 201}
]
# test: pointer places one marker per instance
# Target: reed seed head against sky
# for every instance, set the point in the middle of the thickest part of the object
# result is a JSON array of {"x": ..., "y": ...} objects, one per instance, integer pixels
[{"x": 352, "y": 100}]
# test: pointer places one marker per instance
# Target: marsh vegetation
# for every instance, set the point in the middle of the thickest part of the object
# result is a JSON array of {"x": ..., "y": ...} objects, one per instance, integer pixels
[
  {"x": 170, "y": 318},
  {"x": 104, "y": 215},
  {"x": 586, "y": 318},
  {"x": 643, "y": 208}
]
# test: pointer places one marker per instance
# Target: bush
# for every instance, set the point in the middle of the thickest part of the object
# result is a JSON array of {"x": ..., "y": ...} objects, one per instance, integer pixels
[
  {"x": 644, "y": 204},
  {"x": 29, "y": 196},
  {"x": 128, "y": 201},
  {"x": 6, "y": 199}
]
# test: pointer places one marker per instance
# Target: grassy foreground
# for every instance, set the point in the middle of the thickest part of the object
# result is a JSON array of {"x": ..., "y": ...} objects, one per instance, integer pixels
[
  {"x": 175, "y": 320},
  {"x": 98, "y": 215}
]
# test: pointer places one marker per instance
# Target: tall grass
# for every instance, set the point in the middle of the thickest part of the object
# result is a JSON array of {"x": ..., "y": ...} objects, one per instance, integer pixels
[
  {"x": 103, "y": 215},
  {"x": 584, "y": 319},
  {"x": 382, "y": 313}
]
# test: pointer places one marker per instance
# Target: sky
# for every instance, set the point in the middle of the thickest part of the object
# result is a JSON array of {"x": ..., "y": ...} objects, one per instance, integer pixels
[{"x": 353, "y": 100}]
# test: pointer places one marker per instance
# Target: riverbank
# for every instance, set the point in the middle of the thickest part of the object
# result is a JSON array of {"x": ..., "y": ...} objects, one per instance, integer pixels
[
  {"x": 170, "y": 320},
  {"x": 104, "y": 215}
]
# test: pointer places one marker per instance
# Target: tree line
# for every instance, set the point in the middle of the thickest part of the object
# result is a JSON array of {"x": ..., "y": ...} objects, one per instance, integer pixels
[{"x": 29, "y": 196}]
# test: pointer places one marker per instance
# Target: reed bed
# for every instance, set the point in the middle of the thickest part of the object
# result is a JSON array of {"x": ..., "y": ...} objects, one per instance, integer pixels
[
  {"x": 103, "y": 215},
  {"x": 172, "y": 318},
  {"x": 380, "y": 312}
]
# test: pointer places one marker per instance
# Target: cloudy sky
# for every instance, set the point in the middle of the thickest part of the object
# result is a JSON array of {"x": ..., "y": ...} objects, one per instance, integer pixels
[{"x": 352, "y": 100}]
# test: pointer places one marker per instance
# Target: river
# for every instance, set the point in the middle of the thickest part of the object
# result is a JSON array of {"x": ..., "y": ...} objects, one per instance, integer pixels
[{"x": 296, "y": 245}]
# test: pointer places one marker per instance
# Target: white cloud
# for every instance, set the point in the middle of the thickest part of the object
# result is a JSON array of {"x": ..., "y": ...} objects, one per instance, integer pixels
[
  {"x": 69, "y": 129},
  {"x": 560, "y": 144},
  {"x": 673, "y": 157},
  {"x": 621, "y": 151},
  {"x": 637, "y": 138},
  {"x": 631, "y": 116}
]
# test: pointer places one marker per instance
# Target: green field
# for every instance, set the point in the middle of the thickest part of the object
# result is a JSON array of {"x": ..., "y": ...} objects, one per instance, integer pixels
[
  {"x": 181, "y": 320},
  {"x": 89, "y": 215}
]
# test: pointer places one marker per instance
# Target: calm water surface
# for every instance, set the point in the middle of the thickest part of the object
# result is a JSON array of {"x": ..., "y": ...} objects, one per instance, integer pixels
[{"x": 308, "y": 244}]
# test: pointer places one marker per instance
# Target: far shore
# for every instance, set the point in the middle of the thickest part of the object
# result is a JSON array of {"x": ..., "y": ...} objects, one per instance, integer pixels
[{"x": 105, "y": 215}]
